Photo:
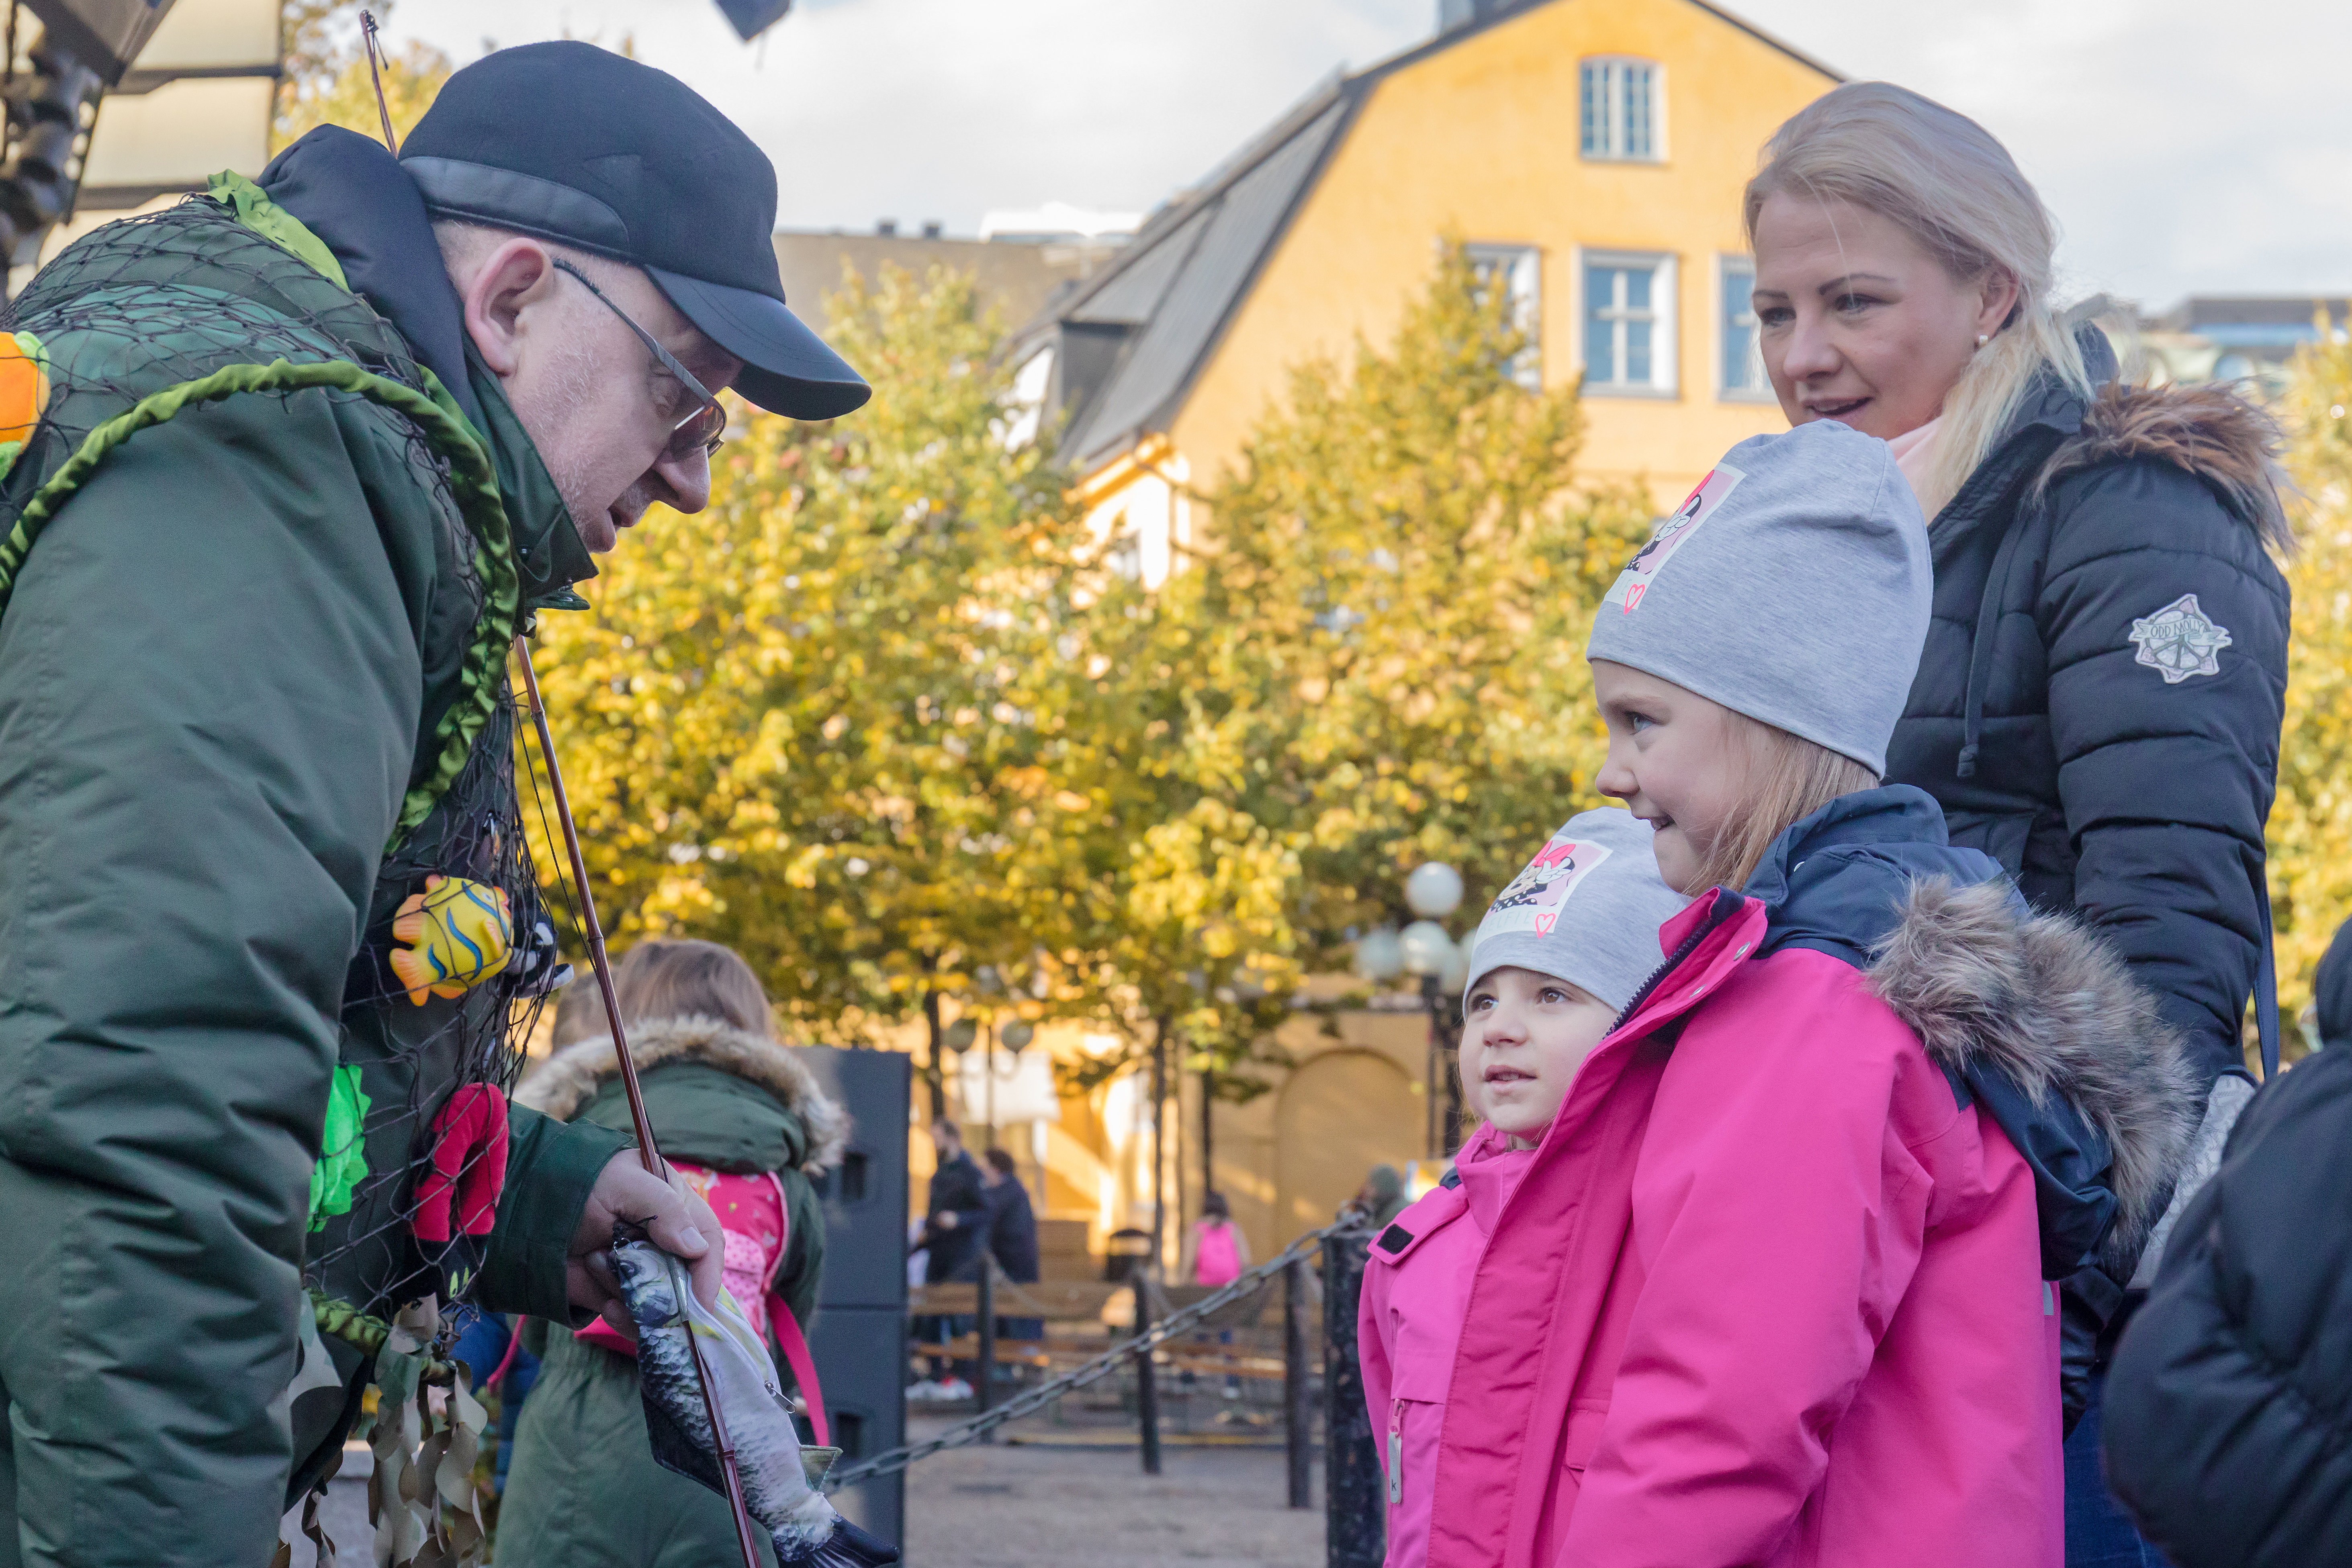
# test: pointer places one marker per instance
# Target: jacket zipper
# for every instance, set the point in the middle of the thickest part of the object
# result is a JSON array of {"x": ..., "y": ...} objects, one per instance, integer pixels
[
  {"x": 1727, "y": 904},
  {"x": 1396, "y": 1451}
]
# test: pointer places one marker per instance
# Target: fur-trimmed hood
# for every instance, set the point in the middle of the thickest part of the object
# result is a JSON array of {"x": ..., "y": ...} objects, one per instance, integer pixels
[
  {"x": 2208, "y": 431},
  {"x": 566, "y": 1081},
  {"x": 2000, "y": 994},
  {"x": 2032, "y": 1016}
]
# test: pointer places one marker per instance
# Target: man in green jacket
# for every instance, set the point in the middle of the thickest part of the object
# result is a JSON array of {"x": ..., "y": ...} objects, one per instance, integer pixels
[{"x": 286, "y": 469}]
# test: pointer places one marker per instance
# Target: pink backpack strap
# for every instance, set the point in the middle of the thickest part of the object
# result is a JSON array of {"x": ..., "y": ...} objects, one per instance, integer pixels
[{"x": 787, "y": 1328}]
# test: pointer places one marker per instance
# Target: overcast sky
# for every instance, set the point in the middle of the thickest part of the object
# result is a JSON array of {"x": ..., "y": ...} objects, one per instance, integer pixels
[{"x": 2185, "y": 145}]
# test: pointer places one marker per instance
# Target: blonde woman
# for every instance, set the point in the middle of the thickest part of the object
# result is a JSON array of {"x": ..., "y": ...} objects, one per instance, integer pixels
[{"x": 2099, "y": 702}]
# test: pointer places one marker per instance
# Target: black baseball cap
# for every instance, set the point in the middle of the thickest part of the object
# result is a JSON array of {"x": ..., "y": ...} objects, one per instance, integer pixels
[{"x": 569, "y": 142}]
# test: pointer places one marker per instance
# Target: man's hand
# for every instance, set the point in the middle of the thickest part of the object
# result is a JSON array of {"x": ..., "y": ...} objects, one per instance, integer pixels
[{"x": 675, "y": 1218}]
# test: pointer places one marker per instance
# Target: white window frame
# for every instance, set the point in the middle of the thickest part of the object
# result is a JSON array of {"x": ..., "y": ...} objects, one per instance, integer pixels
[
  {"x": 1726, "y": 269},
  {"x": 1615, "y": 116},
  {"x": 1521, "y": 268},
  {"x": 1666, "y": 341}
]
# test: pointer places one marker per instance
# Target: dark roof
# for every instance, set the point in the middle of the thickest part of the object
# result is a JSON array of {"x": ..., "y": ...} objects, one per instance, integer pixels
[{"x": 1174, "y": 290}]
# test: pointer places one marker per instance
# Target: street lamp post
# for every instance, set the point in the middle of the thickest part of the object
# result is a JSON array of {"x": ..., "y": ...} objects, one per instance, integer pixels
[{"x": 1434, "y": 890}]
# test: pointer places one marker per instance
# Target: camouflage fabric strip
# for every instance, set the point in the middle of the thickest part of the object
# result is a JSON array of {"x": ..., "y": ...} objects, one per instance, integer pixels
[{"x": 472, "y": 481}]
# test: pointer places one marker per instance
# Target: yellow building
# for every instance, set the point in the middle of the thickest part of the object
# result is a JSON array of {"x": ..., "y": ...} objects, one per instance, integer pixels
[{"x": 1592, "y": 152}]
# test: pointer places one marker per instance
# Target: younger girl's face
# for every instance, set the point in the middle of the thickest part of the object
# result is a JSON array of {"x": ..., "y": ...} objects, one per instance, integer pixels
[
  {"x": 1524, "y": 1035},
  {"x": 1676, "y": 759}
]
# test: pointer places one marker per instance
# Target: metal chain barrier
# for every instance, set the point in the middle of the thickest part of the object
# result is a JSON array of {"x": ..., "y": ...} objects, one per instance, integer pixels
[{"x": 1093, "y": 1371}]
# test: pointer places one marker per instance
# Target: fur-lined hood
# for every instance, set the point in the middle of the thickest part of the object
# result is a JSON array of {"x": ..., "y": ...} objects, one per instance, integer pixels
[
  {"x": 2031, "y": 1016},
  {"x": 566, "y": 1081},
  {"x": 1997, "y": 991},
  {"x": 2208, "y": 431}
]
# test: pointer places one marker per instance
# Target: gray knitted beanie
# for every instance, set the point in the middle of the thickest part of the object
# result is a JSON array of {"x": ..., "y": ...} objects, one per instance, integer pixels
[
  {"x": 1586, "y": 910},
  {"x": 1792, "y": 585}
]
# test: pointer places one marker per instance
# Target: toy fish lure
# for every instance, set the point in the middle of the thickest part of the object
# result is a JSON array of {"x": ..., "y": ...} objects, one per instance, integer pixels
[
  {"x": 806, "y": 1530},
  {"x": 459, "y": 935}
]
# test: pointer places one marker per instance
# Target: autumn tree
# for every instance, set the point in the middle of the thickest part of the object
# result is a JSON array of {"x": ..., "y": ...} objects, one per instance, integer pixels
[
  {"x": 326, "y": 79},
  {"x": 1376, "y": 659},
  {"x": 1381, "y": 651},
  {"x": 2310, "y": 832},
  {"x": 798, "y": 724}
]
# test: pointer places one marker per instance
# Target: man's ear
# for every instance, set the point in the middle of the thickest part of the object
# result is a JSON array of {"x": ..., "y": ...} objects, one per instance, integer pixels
[{"x": 518, "y": 275}]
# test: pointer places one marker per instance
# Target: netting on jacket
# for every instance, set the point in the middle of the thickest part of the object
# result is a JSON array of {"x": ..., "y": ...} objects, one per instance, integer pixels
[{"x": 164, "y": 301}]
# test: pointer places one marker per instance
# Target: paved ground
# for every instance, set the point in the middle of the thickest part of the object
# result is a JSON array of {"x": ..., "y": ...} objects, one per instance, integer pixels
[{"x": 1022, "y": 1507}]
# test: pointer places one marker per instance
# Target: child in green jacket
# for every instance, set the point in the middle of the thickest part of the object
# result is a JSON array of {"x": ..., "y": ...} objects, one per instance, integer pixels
[{"x": 744, "y": 1121}]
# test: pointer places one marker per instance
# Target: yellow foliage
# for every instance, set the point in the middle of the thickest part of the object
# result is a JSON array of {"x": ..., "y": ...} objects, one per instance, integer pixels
[{"x": 2310, "y": 833}]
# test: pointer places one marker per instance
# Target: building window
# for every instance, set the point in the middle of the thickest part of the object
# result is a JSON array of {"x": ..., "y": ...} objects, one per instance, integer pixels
[
  {"x": 1622, "y": 105},
  {"x": 1742, "y": 368},
  {"x": 1518, "y": 271},
  {"x": 1629, "y": 324}
]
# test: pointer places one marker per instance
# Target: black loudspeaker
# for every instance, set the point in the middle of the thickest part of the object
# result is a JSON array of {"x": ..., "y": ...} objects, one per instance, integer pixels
[{"x": 860, "y": 1342}]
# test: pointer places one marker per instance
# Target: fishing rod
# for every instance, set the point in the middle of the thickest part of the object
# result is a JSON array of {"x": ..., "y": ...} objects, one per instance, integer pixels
[
  {"x": 594, "y": 932},
  {"x": 646, "y": 1151}
]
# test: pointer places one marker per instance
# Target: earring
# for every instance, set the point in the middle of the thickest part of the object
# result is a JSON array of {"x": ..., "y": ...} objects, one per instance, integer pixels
[{"x": 1983, "y": 337}]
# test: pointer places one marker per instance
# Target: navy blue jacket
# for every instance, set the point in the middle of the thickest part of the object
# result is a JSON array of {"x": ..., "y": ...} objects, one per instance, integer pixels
[
  {"x": 2229, "y": 1405},
  {"x": 1840, "y": 881},
  {"x": 2079, "y": 718}
]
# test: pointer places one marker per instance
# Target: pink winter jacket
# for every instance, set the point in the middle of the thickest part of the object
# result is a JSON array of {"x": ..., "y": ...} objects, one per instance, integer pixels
[
  {"x": 1766, "y": 1293},
  {"x": 1411, "y": 1316}
]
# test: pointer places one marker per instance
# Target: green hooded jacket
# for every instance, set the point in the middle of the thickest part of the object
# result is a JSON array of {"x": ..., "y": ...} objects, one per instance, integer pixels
[
  {"x": 259, "y": 574},
  {"x": 582, "y": 1489}
]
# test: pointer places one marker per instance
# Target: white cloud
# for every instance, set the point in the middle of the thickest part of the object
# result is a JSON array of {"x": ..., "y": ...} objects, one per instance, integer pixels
[{"x": 2184, "y": 146}]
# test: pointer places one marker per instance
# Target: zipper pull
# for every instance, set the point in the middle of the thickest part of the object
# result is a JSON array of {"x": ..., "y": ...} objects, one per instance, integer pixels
[{"x": 1396, "y": 1450}]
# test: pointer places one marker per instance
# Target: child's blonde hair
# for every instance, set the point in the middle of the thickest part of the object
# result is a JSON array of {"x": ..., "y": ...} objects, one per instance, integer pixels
[
  {"x": 1788, "y": 778},
  {"x": 670, "y": 978}
]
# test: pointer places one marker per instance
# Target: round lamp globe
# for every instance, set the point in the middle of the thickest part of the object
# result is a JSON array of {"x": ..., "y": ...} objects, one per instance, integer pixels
[
  {"x": 1435, "y": 889},
  {"x": 1427, "y": 949}
]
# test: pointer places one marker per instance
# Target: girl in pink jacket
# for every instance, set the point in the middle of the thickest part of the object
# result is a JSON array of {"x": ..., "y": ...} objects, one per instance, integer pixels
[
  {"x": 1559, "y": 955},
  {"x": 1773, "y": 1285}
]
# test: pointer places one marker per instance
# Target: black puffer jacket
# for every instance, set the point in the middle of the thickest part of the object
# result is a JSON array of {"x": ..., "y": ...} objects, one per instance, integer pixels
[
  {"x": 2081, "y": 720},
  {"x": 2229, "y": 1407},
  {"x": 2099, "y": 701}
]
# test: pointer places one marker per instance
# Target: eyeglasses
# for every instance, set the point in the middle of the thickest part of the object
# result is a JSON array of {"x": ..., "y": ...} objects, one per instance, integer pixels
[{"x": 703, "y": 429}]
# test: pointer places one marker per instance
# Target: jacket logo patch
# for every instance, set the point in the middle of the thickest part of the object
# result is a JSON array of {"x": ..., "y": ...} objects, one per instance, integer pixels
[
  {"x": 2178, "y": 641},
  {"x": 1672, "y": 534}
]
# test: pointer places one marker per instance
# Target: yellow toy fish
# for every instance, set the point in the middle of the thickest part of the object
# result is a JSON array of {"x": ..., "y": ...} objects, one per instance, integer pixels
[{"x": 459, "y": 935}]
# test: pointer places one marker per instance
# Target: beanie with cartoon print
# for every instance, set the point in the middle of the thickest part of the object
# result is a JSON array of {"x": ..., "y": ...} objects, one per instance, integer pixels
[
  {"x": 1793, "y": 585},
  {"x": 1586, "y": 910}
]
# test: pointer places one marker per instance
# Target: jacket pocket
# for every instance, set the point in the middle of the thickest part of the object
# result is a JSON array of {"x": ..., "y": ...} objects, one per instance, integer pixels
[{"x": 1585, "y": 1419}]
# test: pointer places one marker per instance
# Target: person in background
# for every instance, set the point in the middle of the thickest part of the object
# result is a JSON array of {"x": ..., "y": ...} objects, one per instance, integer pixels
[
  {"x": 1382, "y": 1197},
  {"x": 1215, "y": 1251},
  {"x": 955, "y": 1234},
  {"x": 2099, "y": 700},
  {"x": 1012, "y": 1237},
  {"x": 1535, "y": 1007},
  {"x": 744, "y": 1121}
]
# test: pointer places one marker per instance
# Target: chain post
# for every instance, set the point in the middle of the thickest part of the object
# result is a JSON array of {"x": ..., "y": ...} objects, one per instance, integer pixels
[
  {"x": 1297, "y": 1414},
  {"x": 985, "y": 1395},
  {"x": 1356, "y": 1521},
  {"x": 1146, "y": 1380}
]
